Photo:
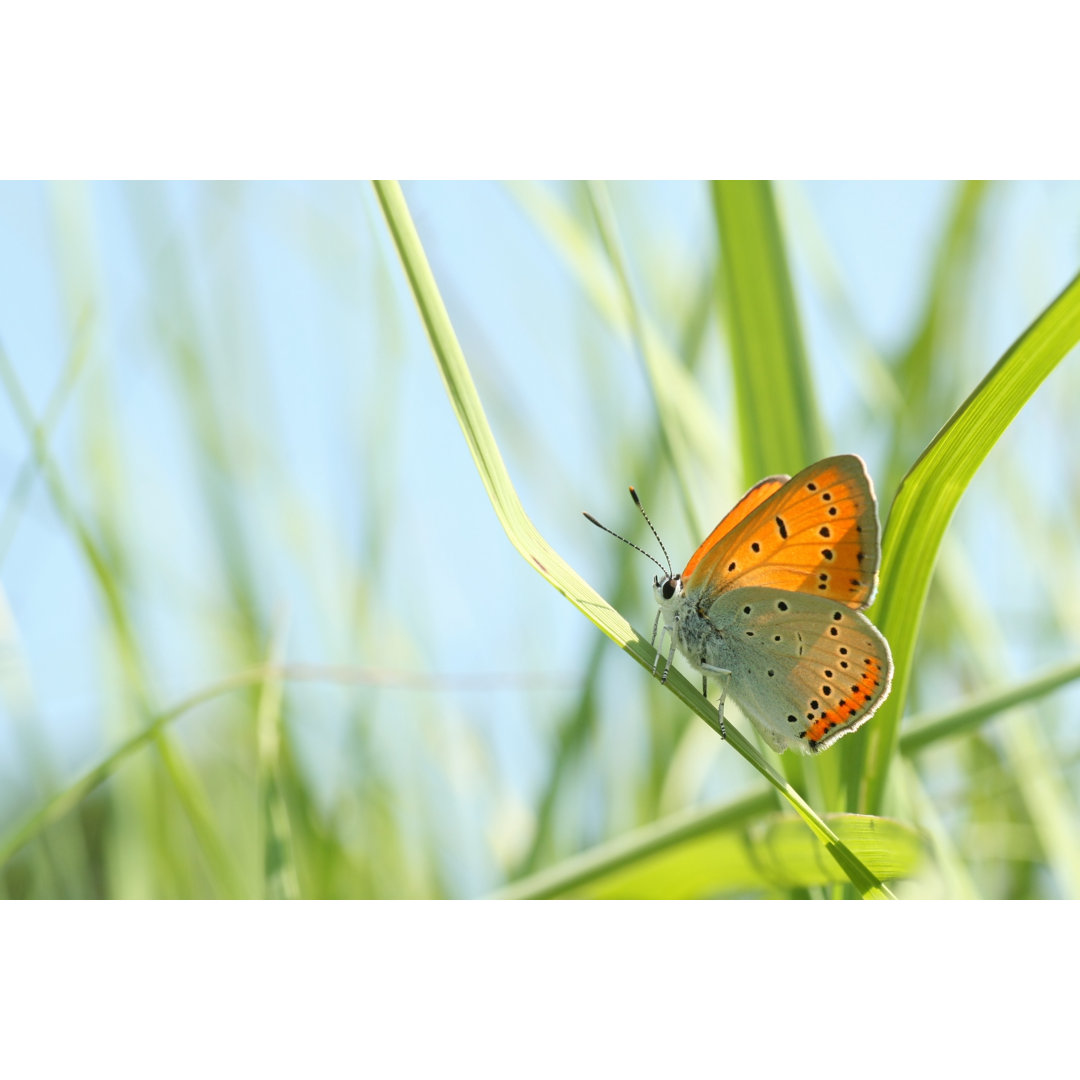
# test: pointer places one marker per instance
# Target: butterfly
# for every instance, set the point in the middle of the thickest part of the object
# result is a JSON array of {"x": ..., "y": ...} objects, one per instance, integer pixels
[{"x": 770, "y": 605}]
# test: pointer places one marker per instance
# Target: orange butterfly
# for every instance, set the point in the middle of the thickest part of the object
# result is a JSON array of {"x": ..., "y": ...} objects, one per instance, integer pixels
[{"x": 770, "y": 604}]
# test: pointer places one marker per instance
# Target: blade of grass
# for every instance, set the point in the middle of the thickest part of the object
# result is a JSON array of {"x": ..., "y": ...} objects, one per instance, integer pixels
[
  {"x": 576, "y": 727},
  {"x": 780, "y": 429},
  {"x": 918, "y": 369},
  {"x": 524, "y": 536},
  {"x": 280, "y": 881},
  {"x": 15, "y": 685},
  {"x": 583, "y": 869},
  {"x": 929, "y": 730},
  {"x": 700, "y": 439},
  {"x": 956, "y": 880},
  {"x": 673, "y": 429},
  {"x": 924, "y": 384},
  {"x": 1029, "y": 756},
  {"x": 876, "y": 383},
  {"x": 1047, "y": 798},
  {"x": 65, "y": 801},
  {"x": 43, "y": 430},
  {"x": 925, "y": 503},
  {"x": 725, "y": 850}
]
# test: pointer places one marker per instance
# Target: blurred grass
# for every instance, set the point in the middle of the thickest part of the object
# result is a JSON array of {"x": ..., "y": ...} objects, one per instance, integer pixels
[{"x": 371, "y": 774}]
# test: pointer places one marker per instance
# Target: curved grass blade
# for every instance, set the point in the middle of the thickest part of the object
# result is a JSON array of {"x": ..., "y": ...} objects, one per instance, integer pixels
[
  {"x": 925, "y": 503},
  {"x": 524, "y": 536},
  {"x": 722, "y": 851},
  {"x": 65, "y": 801},
  {"x": 581, "y": 871}
]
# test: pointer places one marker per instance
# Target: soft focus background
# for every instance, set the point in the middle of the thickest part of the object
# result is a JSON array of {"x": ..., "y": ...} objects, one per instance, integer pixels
[{"x": 237, "y": 515}]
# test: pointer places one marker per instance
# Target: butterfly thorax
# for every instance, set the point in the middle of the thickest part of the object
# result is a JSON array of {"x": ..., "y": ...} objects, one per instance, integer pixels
[{"x": 694, "y": 635}]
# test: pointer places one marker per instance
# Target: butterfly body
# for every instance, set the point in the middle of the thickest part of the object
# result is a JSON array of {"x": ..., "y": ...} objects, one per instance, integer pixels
[{"x": 769, "y": 606}]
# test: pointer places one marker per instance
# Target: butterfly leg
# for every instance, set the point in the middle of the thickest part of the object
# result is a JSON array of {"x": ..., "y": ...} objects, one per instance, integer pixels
[
  {"x": 670, "y": 631},
  {"x": 655, "y": 627},
  {"x": 724, "y": 675},
  {"x": 652, "y": 641}
]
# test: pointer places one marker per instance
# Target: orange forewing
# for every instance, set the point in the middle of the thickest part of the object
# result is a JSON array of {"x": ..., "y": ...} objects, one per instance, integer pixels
[
  {"x": 750, "y": 501},
  {"x": 817, "y": 533}
]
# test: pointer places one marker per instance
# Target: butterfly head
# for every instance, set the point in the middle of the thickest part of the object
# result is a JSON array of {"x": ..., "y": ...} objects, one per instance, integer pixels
[{"x": 668, "y": 590}]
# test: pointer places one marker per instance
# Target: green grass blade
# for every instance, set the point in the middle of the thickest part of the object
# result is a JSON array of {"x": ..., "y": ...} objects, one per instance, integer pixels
[
  {"x": 929, "y": 730},
  {"x": 280, "y": 880},
  {"x": 925, "y": 503},
  {"x": 1031, "y": 769},
  {"x": 524, "y": 536},
  {"x": 696, "y": 438},
  {"x": 956, "y": 882},
  {"x": 22, "y": 485},
  {"x": 1047, "y": 798},
  {"x": 63, "y": 802},
  {"x": 779, "y": 426},
  {"x": 919, "y": 368},
  {"x": 718, "y": 851},
  {"x": 582, "y": 870},
  {"x": 674, "y": 431}
]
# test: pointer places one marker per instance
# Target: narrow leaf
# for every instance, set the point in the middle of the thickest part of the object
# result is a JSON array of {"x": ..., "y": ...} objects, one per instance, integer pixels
[{"x": 925, "y": 503}]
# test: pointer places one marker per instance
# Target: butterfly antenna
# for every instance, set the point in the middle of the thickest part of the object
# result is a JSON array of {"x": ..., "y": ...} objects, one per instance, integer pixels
[
  {"x": 637, "y": 503},
  {"x": 623, "y": 538}
]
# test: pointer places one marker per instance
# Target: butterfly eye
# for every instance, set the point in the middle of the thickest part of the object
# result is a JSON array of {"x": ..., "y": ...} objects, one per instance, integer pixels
[{"x": 668, "y": 590}]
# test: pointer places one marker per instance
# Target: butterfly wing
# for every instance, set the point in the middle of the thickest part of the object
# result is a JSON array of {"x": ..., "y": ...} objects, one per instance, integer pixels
[
  {"x": 750, "y": 501},
  {"x": 817, "y": 534},
  {"x": 805, "y": 669}
]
